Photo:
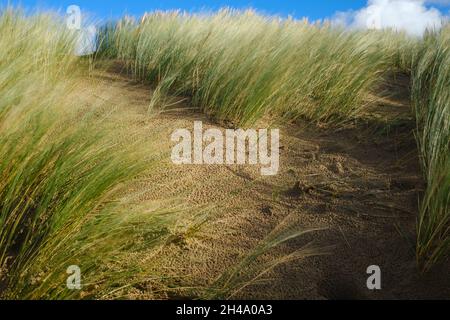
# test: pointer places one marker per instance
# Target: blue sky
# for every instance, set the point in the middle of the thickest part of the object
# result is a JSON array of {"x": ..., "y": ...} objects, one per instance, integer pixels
[
  {"x": 314, "y": 9},
  {"x": 402, "y": 14}
]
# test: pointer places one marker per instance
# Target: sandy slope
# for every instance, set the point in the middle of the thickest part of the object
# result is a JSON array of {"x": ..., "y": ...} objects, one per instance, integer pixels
[{"x": 362, "y": 187}]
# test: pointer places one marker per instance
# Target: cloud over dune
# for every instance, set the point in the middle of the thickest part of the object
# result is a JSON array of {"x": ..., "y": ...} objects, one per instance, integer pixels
[{"x": 412, "y": 16}]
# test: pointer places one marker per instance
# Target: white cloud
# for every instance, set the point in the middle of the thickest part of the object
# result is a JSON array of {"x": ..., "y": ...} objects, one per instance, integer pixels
[{"x": 412, "y": 16}]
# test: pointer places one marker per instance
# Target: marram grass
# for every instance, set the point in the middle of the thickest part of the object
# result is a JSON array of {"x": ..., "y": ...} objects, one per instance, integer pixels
[
  {"x": 239, "y": 66},
  {"x": 431, "y": 100},
  {"x": 61, "y": 169}
]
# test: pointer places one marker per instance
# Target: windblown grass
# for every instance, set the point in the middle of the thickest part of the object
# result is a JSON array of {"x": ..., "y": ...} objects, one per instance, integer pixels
[
  {"x": 431, "y": 99},
  {"x": 61, "y": 169},
  {"x": 239, "y": 66},
  {"x": 250, "y": 271}
]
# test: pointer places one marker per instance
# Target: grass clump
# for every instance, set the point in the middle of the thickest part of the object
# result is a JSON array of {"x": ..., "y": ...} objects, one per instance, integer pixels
[
  {"x": 431, "y": 100},
  {"x": 62, "y": 167},
  {"x": 240, "y": 65}
]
